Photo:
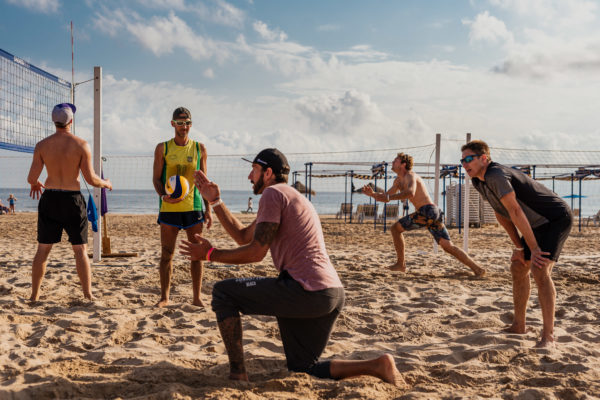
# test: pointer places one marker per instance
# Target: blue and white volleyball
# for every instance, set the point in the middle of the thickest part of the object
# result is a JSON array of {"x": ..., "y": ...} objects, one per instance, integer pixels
[{"x": 177, "y": 187}]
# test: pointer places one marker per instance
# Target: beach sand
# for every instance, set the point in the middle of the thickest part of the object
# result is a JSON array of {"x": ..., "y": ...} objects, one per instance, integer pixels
[{"x": 442, "y": 326}]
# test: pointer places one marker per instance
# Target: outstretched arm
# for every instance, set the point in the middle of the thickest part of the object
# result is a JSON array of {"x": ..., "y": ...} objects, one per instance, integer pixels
[
  {"x": 210, "y": 192},
  {"x": 254, "y": 251},
  {"x": 88, "y": 170}
]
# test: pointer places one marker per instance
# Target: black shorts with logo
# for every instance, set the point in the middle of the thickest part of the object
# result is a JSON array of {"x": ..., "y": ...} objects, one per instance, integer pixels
[
  {"x": 181, "y": 219},
  {"x": 62, "y": 209},
  {"x": 551, "y": 237}
]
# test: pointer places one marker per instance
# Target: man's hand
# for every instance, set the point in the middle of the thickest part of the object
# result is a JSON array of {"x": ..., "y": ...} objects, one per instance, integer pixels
[
  {"x": 538, "y": 259},
  {"x": 368, "y": 190},
  {"x": 36, "y": 190},
  {"x": 195, "y": 251},
  {"x": 108, "y": 184},
  {"x": 208, "y": 189},
  {"x": 208, "y": 219},
  {"x": 168, "y": 199}
]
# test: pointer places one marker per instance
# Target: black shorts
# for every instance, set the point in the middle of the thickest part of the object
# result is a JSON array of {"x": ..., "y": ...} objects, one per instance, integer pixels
[
  {"x": 305, "y": 318},
  {"x": 62, "y": 209},
  {"x": 551, "y": 237},
  {"x": 181, "y": 220}
]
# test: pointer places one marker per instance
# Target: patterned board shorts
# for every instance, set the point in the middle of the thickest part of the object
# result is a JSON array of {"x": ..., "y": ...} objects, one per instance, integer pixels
[{"x": 429, "y": 216}]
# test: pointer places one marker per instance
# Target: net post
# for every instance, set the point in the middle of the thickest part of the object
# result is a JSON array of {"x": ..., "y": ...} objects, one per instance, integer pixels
[
  {"x": 98, "y": 156},
  {"x": 467, "y": 211},
  {"x": 436, "y": 189}
]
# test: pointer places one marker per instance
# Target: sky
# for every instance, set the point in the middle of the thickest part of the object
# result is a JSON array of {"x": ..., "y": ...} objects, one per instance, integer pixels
[{"x": 315, "y": 75}]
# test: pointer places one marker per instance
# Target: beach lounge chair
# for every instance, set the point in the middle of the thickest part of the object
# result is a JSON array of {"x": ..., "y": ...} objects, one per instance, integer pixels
[
  {"x": 345, "y": 210},
  {"x": 366, "y": 211},
  {"x": 594, "y": 219},
  {"x": 391, "y": 213}
]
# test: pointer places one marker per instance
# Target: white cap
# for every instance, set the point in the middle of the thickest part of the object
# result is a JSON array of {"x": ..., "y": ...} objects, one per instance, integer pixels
[{"x": 63, "y": 113}]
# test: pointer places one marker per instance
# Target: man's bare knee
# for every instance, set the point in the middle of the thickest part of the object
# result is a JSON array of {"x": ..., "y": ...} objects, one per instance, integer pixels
[
  {"x": 446, "y": 245},
  {"x": 519, "y": 270},
  {"x": 397, "y": 228},
  {"x": 167, "y": 253}
]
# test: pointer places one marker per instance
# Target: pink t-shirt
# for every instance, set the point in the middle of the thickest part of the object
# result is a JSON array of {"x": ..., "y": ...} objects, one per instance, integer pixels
[{"x": 299, "y": 246}]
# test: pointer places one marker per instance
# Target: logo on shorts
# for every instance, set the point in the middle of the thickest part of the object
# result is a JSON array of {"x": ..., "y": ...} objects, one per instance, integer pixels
[
  {"x": 190, "y": 159},
  {"x": 252, "y": 283}
]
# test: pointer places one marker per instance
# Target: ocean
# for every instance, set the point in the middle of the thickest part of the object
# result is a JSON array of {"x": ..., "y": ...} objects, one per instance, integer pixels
[{"x": 146, "y": 201}]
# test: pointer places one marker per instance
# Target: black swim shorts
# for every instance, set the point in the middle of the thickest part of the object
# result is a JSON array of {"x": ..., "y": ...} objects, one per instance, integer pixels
[
  {"x": 62, "y": 209},
  {"x": 551, "y": 237},
  {"x": 181, "y": 220}
]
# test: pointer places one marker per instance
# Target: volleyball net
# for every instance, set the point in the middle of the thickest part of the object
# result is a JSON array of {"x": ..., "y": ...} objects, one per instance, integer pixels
[{"x": 27, "y": 95}]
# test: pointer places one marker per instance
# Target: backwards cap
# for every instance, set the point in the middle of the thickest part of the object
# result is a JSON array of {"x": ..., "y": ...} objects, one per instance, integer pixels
[
  {"x": 63, "y": 113},
  {"x": 272, "y": 158}
]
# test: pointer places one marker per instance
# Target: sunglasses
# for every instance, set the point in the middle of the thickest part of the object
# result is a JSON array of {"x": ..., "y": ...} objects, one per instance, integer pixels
[
  {"x": 470, "y": 158},
  {"x": 181, "y": 123}
]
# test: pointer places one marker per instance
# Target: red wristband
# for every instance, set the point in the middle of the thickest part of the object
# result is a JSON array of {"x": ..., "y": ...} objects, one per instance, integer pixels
[{"x": 209, "y": 253}]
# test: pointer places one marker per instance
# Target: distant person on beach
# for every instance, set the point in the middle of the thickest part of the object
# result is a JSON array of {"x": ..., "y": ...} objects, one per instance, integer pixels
[
  {"x": 306, "y": 297},
  {"x": 249, "y": 209},
  {"x": 179, "y": 156},
  {"x": 409, "y": 186},
  {"x": 537, "y": 221},
  {"x": 62, "y": 205},
  {"x": 11, "y": 203}
]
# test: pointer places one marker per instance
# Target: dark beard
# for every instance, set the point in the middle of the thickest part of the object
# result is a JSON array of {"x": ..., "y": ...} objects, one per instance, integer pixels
[{"x": 258, "y": 185}]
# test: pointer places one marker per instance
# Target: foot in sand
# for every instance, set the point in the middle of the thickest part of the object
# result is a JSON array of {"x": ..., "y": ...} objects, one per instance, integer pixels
[
  {"x": 387, "y": 371},
  {"x": 398, "y": 267},
  {"x": 514, "y": 328},
  {"x": 162, "y": 303},
  {"x": 197, "y": 303},
  {"x": 479, "y": 273},
  {"x": 239, "y": 376}
]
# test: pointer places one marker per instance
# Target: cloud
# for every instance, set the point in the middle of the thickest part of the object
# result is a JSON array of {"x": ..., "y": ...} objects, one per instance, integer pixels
[
  {"x": 162, "y": 34},
  {"x": 488, "y": 29},
  {"x": 328, "y": 28},
  {"x": 43, "y": 6},
  {"x": 209, "y": 73},
  {"x": 271, "y": 35},
  {"x": 556, "y": 15},
  {"x": 339, "y": 115},
  {"x": 215, "y": 11}
]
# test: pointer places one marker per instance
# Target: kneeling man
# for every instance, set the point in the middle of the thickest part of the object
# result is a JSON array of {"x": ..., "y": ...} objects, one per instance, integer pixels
[{"x": 306, "y": 297}]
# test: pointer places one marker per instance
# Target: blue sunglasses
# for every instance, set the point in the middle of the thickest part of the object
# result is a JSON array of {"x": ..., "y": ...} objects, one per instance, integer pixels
[{"x": 470, "y": 158}]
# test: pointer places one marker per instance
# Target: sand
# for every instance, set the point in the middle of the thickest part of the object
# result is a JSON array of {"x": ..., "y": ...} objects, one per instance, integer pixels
[{"x": 442, "y": 326}]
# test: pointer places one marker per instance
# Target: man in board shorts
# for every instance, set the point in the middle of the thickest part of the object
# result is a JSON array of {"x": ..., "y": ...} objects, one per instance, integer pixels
[
  {"x": 61, "y": 206},
  {"x": 544, "y": 220},
  {"x": 409, "y": 185},
  {"x": 306, "y": 297},
  {"x": 179, "y": 156}
]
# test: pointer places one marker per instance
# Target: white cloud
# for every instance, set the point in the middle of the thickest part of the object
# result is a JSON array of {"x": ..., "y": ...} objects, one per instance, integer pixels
[
  {"x": 489, "y": 29},
  {"x": 209, "y": 73},
  {"x": 43, "y": 6},
  {"x": 271, "y": 35},
  {"x": 328, "y": 28},
  {"x": 161, "y": 35},
  {"x": 552, "y": 14},
  {"x": 339, "y": 115},
  {"x": 215, "y": 11}
]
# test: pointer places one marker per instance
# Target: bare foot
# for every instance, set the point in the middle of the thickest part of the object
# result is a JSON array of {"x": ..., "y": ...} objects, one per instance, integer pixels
[
  {"x": 514, "y": 329},
  {"x": 239, "y": 376},
  {"x": 162, "y": 303},
  {"x": 387, "y": 371},
  {"x": 398, "y": 267},
  {"x": 479, "y": 273},
  {"x": 546, "y": 343},
  {"x": 198, "y": 303},
  {"x": 89, "y": 297}
]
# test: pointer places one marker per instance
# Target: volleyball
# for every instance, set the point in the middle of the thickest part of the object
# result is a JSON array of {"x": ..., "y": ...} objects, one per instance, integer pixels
[{"x": 177, "y": 187}]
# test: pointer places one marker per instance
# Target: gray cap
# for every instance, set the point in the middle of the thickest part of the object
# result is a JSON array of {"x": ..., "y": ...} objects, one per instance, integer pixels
[{"x": 63, "y": 113}]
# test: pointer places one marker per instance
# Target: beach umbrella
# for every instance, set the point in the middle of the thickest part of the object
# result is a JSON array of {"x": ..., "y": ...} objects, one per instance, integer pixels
[{"x": 573, "y": 196}]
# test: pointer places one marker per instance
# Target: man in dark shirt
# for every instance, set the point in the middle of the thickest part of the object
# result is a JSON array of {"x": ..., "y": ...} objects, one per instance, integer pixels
[{"x": 523, "y": 205}]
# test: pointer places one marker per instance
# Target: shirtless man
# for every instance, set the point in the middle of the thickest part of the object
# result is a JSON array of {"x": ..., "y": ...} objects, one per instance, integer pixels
[
  {"x": 409, "y": 185},
  {"x": 61, "y": 204}
]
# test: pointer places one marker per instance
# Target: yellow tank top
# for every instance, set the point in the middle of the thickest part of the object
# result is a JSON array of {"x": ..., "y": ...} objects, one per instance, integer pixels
[{"x": 182, "y": 160}]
